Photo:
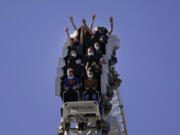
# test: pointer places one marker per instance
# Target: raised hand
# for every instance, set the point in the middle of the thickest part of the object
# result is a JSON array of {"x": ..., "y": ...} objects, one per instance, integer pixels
[
  {"x": 111, "y": 19},
  {"x": 71, "y": 19},
  {"x": 111, "y": 25},
  {"x": 84, "y": 22},
  {"x": 93, "y": 17},
  {"x": 66, "y": 29}
]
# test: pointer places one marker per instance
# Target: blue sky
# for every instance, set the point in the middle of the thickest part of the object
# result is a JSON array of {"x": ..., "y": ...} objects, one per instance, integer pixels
[{"x": 31, "y": 37}]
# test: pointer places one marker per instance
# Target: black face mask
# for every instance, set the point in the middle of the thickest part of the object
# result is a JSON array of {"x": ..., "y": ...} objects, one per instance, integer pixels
[{"x": 76, "y": 43}]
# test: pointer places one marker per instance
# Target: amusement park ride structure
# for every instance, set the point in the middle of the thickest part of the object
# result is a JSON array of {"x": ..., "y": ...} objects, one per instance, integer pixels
[{"x": 86, "y": 117}]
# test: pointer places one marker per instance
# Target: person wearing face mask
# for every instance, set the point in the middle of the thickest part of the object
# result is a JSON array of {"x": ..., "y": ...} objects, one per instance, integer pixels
[
  {"x": 92, "y": 60},
  {"x": 70, "y": 85},
  {"x": 91, "y": 56},
  {"x": 74, "y": 58},
  {"x": 99, "y": 53},
  {"x": 84, "y": 31},
  {"x": 98, "y": 48},
  {"x": 95, "y": 68},
  {"x": 91, "y": 86},
  {"x": 74, "y": 61}
]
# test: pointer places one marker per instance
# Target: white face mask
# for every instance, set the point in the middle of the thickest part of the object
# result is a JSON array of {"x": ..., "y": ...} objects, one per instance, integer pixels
[
  {"x": 90, "y": 54},
  {"x": 70, "y": 77},
  {"x": 97, "y": 47},
  {"x": 90, "y": 76},
  {"x": 74, "y": 54}
]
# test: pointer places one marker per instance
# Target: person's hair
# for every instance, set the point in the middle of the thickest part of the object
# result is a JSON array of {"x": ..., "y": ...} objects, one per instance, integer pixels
[
  {"x": 90, "y": 70},
  {"x": 102, "y": 30},
  {"x": 70, "y": 70},
  {"x": 73, "y": 49},
  {"x": 92, "y": 48},
  {"x": 97, "y": 43}
]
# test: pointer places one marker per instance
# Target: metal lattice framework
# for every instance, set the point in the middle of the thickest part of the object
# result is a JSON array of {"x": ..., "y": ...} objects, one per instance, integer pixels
[{"x": 115, "y": 117}]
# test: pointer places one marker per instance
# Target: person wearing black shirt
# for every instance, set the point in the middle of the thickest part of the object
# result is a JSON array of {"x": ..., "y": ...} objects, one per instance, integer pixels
[
  {"x": 92, "y": 60},
  {"x": 75, "y": 43},
  {"x": 90, "y": 57},
  {"x": 101, "y": 35},
  {"x": 74, "y": 61},
  {"x": 86, "y": 35}
]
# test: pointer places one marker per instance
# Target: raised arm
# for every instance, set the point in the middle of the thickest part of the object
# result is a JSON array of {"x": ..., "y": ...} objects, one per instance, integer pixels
[
  {"x": 81, "y": 36},
  {"x": 69, "y": 39},
  {"x": 111, "y": 25},
  {"x": 72, "y": 22},
  {"x": 86, "y": 27},
  {"x": 92, "y": 21}
]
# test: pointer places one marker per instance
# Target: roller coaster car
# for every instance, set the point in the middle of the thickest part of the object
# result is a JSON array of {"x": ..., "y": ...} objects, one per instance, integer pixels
[{"x": 81, "y": 111}]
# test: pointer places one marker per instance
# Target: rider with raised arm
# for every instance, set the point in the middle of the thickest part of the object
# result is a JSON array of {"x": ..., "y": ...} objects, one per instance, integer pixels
[
  {"x": 75, "y": 43},
  {"x": 72, "y": 22},
  {"x": 111, "y": 25},
  {"x": 92, "y": 22},
  {"x": 87, "y": 32},
  {"x": 84, "y": 24},
  {"x": 101, "y": 35}
]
